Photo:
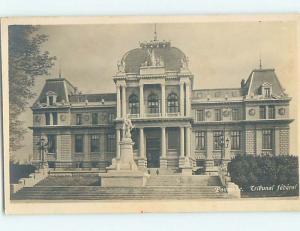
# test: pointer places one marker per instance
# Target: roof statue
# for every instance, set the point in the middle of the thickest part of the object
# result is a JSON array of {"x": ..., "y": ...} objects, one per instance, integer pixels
[{"x": 121, "y": 66}]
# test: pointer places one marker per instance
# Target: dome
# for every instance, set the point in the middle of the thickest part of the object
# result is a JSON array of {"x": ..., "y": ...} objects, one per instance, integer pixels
[{"x": 153, "y": 53}]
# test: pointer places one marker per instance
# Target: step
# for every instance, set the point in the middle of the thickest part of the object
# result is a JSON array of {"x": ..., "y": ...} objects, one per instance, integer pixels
[{"x": 110, "y": 193}]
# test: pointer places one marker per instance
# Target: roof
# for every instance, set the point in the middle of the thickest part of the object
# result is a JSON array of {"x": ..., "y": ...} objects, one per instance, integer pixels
[
  {"x": 171, "y": 57},
  {"x": 217, "y": 93},
  {"x": 110, "y": 97},
  {"x": 60, "y": 86},
  {"x": 258, "y": 77}
]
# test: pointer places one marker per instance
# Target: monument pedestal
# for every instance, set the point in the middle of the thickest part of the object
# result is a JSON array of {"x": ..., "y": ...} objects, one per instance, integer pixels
[
  {"x": 124, "y": 172},
  {"x": 142, "y": 163}
]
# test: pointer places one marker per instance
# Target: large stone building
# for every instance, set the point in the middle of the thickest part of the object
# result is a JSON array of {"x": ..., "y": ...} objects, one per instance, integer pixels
[{"x": 174, "y": 123}]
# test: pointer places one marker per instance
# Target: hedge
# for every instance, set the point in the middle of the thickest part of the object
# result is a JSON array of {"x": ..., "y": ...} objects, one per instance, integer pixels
[{"x": 251, "y": 170}]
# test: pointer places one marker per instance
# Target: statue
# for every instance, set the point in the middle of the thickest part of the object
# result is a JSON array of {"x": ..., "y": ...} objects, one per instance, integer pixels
[
  {"x": 184, "y": 63},
  {"x": 127, "y": 127},
  {"x": 121, "y": 66}
]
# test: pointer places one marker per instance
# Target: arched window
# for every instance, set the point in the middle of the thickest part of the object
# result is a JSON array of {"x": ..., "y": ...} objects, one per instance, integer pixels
[
  {"x": 173, "y": 105},
  {"x": 133, "y": 104},
  {"x": 153, "y": 103}
]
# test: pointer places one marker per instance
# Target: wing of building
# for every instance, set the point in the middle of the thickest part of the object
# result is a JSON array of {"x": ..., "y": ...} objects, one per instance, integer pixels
[{"x": 173, "y": 122}]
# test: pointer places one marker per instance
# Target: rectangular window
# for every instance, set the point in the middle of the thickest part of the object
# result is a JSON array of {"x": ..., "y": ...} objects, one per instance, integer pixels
[
  {"x": 78, "y": 143},
  {"x": 235, "y": 140},
  {"x": 111, "y": 143},
  {"x": 47, "y": 115},
  {"x": 95, "y": 118},
  {"x": 51, "y": 144},
  {"x": 200, "y": 115},
  {"x": 200, "y": 140},
  {"x": 95, "y": 143},
  {"x": 271, "y": 110},
  {"x": 54, "y": 114},
  {"x": 235, "y": 114},
  {"x": 267, "y": 92},
  {"x": 267, "y": 136},
  {"x": 218, "y": 116},
  {"x": 78, "y": 119},
  {"x": 218, "y": 140},
  {"x": 111, "y": 117},
  {"x": 262, "y": 112},
  {"x": 51, "y": 100}
]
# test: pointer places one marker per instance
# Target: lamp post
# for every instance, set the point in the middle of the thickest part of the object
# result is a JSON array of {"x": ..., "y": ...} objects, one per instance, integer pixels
[{"x": 221, "y": 143}]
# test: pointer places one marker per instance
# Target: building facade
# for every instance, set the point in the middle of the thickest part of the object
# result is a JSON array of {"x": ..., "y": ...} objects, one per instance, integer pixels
[{"x": 173, "y": 122}]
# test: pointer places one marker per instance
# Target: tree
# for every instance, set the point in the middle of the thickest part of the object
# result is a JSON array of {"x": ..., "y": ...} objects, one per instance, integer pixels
[{"x": 26, "y": 62}]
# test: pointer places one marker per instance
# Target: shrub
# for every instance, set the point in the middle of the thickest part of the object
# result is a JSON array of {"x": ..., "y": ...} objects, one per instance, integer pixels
[
  {"x": 248, "y": 170},
  {"x": 18, "y": 171}
]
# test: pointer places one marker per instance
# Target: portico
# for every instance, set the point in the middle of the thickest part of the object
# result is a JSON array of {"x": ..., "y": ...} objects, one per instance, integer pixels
[{"x": 160, "y": 147}]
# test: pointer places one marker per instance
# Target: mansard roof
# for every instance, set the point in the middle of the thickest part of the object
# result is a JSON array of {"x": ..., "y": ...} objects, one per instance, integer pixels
[
  {"x": 217, "y": 93},
  {"x": 260, "y": 77},
  {"x": 108, "y": 97},
  {"x": 59, "y": 86}
]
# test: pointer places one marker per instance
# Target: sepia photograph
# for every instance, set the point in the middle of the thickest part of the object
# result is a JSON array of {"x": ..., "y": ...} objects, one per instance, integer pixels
[{"x": 199, "y": 112}]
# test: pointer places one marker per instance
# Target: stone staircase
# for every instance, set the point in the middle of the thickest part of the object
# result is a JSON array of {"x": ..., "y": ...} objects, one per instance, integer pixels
[
  {"x": 183, "y": 181},
  {"x": 70, "y": 181},
  {"x": 164, "y": 187}
]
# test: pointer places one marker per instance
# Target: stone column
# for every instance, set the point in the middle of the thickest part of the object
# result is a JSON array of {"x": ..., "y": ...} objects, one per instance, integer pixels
[
  {"x": 181, "y": 141},
  {"x": 182, "y": 98},
  {"x": 163, "y": 143},
  {"x": 187, "y": 97},
  {"x": 163, "y": 100},
  {"x": 142, "y": 100},
  {"x": 188, "y": 141},
  {"x": 142, "y": 160},
  {"x": 118, "y": 102},
  {"x": 163, "y": 158},
  {"x": 142, "y": 151},
  {"x": 124, "y": 101},
  {"x": 118, "y": 137}
]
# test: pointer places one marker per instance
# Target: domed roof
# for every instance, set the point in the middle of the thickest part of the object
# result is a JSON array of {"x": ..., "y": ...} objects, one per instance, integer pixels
[{"x": 154, "y": 51}]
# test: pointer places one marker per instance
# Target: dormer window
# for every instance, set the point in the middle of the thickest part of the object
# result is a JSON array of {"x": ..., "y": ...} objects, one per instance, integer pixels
[
  {"x": 266, "y": 90},
  {"x": 51, "y": 98}
]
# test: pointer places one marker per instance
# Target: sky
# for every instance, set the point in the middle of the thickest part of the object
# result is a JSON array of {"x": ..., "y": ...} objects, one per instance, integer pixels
[{"x": 220, "y": 54}]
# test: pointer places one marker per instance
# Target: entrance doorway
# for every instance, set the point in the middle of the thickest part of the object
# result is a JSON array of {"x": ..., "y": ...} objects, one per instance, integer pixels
[{"x": 153, "y": 152}]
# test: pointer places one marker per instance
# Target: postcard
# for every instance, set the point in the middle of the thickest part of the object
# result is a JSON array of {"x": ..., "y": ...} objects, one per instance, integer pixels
[{"x": 150, "y": 114}]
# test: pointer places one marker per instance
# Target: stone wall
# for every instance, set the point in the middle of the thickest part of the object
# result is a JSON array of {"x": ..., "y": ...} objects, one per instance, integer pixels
[
  {"x": 250, "y": 142},
  {"x": 64, "y": 148},
  {"x": 284, "y": 142}
]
